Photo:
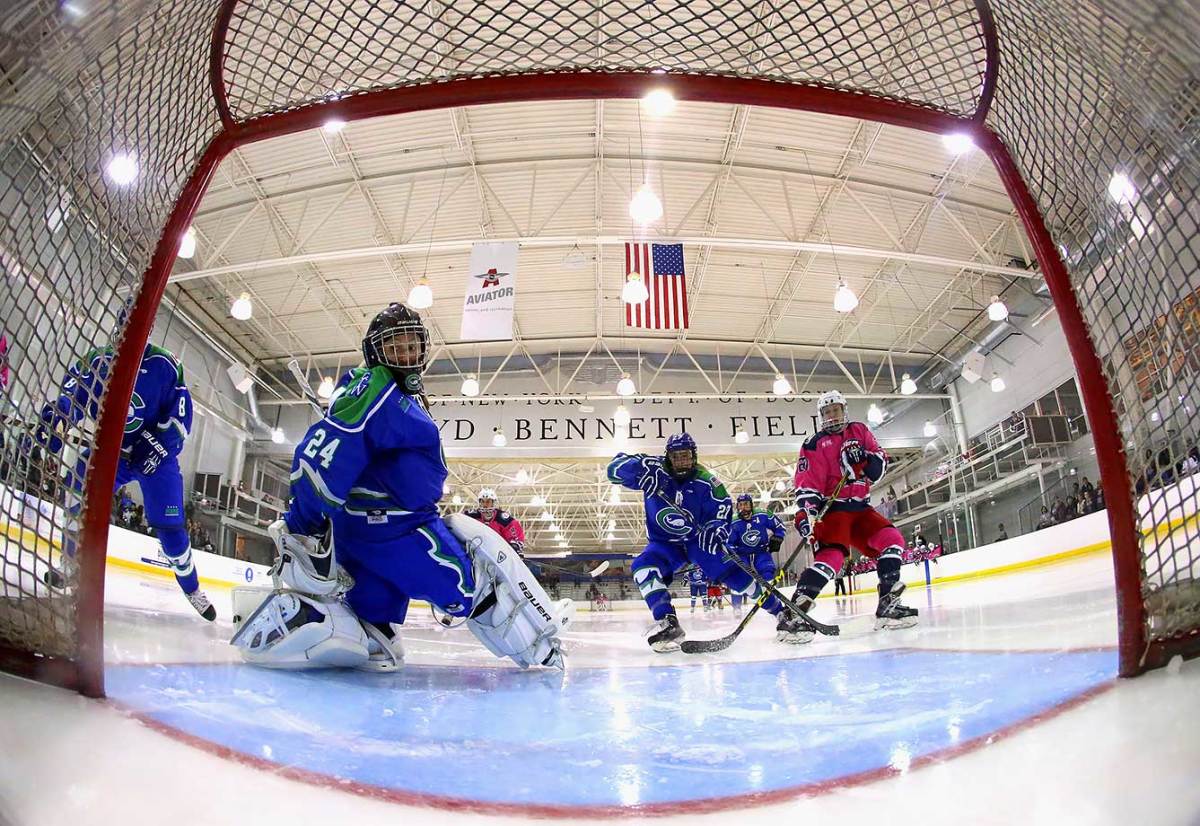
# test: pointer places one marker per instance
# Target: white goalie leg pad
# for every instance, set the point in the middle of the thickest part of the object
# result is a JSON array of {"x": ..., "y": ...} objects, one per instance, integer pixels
[
  {"x": 291, "y": 630},
  {"x": 518, "y": 619}
]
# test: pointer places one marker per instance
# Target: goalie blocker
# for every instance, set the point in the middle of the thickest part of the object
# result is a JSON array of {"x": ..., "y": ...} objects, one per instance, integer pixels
[{"x": 304, "y": 623}]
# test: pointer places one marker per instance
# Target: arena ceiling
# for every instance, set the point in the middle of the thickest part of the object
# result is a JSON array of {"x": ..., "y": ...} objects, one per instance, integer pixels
[{"x": 774, "y": 208}]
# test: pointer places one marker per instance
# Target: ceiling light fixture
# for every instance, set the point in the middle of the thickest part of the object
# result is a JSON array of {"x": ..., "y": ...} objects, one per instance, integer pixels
[
  {"x": 241, "y": 308},
  {"x": 420, "y": 297},
  {"x": 844, "y": 300}
]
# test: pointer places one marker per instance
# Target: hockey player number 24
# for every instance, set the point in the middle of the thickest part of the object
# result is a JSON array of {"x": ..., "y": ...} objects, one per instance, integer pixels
[{"x": 326, "y": 453}]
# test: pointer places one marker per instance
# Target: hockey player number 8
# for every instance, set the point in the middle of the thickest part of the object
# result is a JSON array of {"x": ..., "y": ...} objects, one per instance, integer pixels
[{"x": 318, "y": 438}]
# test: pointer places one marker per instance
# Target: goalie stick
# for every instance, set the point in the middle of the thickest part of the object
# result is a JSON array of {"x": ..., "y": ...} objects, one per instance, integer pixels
[
  {"x": 720, "y": 644},
  {"x": 305, "y": 390}
]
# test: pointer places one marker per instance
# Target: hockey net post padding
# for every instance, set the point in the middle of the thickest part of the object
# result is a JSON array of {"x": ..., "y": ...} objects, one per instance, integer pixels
[{"x": 1059, "y": 94}]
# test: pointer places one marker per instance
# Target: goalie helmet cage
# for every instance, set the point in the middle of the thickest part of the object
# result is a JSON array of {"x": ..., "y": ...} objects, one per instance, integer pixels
[{"x": 1087, "y": 109}]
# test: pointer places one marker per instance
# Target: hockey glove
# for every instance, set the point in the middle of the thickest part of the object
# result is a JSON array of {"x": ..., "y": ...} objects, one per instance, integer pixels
[
  {"x": 46, "y": 432},
  {"x": 713, "y": 536},
  {"x": 654, "y": 479},
  {"x": 517, "y": 546},
  {"x": 854, "y": 459},
  {"x": 804, "y": 522},
  {"x": 147, "y": 453}
]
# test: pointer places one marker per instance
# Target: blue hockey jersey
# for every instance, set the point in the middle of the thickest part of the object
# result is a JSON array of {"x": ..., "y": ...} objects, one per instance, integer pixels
[
  {"x": 753, "y": 535},
  {"x": 160, "y": 402},
  {"x": 374, "y": 463},
  {"x": 696, "y": 576},
  {"x": 703, "y": 497}
]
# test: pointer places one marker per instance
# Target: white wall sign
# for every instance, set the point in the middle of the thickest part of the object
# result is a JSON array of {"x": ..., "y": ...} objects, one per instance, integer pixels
[
  {"x": 491, "y": 293},
  {"x": 557, "y": 427}
]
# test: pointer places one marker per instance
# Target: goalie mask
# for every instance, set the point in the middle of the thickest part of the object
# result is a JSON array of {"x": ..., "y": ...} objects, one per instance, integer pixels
[
  {"x": 398, "y": 340},
  {"x": 681, "y": 457},
  {"x": 831, "y": 409}
]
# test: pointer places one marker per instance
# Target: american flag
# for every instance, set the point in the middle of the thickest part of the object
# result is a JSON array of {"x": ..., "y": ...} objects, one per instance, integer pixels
[{"x": 661, "y": 267}]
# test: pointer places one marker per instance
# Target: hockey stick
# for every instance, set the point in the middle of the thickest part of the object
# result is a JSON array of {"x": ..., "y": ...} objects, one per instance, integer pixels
[
  {"x": 720, "y": 644},
  {"x": 305, "y": 389},
  {"x": 772, "y": 590}
]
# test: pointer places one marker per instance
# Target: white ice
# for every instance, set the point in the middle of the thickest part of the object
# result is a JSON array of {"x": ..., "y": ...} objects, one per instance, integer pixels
[{"x": 1129, "y": 754}]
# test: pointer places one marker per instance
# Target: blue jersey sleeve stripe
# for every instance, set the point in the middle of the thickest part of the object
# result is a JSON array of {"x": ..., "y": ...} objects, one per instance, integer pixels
[{"x": 306, "y": 471}]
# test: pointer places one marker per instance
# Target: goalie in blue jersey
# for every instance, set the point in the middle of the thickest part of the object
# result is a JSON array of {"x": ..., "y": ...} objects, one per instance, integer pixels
[
  {"x": 687, "y": 521},
  {"x": 363, "y": 536},
  {"x": 156, "y": 427}
]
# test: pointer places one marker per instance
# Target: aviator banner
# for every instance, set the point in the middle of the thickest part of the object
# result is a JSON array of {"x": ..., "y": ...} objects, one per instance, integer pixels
[{"x": 491, "y": 293}]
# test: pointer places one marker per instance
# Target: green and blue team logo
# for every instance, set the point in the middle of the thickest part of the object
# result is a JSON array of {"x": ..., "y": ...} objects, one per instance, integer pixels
[
  {"x": 134, "y": 419},
  {"x": 751, "y": 537},
  {"x": 672, "y": 520}
]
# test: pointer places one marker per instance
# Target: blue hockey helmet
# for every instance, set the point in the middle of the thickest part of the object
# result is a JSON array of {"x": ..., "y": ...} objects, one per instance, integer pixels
[
  {"x": 748, "y": 500},
  {"x": 681, "y": 456}
]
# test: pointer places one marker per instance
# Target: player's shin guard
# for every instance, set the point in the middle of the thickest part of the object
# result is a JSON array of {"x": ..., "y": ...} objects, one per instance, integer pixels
[
  {"x": 891, "y": 614},
  {"x": 654, "y": 590},
  {"x": 178, "y": 551},
  {"x": 817, "y": 576}
]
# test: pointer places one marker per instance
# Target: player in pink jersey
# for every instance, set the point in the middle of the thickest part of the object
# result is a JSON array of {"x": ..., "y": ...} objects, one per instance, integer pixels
[
  {"x": 847, "y": 448},
  {"x": 502, "y": 522}
]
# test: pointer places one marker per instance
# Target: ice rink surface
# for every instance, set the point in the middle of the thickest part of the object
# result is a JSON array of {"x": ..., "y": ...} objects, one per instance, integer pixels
[{"x": 1001, "y": 706}]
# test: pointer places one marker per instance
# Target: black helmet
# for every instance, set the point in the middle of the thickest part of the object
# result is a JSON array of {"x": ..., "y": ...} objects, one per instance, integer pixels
[{"x": 393, "y": 321}]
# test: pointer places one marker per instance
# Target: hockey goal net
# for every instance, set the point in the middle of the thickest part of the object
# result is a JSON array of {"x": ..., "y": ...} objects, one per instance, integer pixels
[{"x": 1088, "y": 109}]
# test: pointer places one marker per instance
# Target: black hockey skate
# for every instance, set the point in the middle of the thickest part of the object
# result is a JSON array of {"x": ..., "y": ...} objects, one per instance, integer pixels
[
  {"x": 890, "y": 614},
  {"x": 792, "y": 630},
  {"x": 664, "y": 635}
]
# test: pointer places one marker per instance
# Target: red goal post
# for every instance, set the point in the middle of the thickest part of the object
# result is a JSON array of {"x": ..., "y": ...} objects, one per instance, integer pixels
[{"x": 1063, "y": 96}]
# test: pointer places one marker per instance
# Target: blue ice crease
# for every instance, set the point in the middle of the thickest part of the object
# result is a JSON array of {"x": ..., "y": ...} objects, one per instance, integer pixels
[{"x": 619, "y": 736}]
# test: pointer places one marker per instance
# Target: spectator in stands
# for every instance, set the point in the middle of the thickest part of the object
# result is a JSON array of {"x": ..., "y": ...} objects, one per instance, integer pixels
[
  {"x": 1149, "y": 472},
  {"x": 1045, "y": 520},
  {"x": 1003, "y": 535},
  {"x": 1087, "y": 489},
  {"x": 1058, "y": 511},
  {"x": 918, "y": 538},
  {"x": 199, "y": 537},
  {"x": 1166, "y": 467},
  {"x": 1015, "y": 422}
]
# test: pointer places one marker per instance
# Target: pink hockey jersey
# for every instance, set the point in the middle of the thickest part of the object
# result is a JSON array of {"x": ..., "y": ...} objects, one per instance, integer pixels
[
  {"x": 505, "y": 524},
  {"x": 820, "y": 467}
]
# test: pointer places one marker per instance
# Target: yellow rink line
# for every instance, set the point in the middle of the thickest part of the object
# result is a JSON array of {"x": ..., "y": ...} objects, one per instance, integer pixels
[{"x": 1051, "y": 559}]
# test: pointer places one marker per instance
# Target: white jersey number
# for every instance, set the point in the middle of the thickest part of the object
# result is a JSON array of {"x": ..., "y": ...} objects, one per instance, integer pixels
[{"x": 326, "y": 453}]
